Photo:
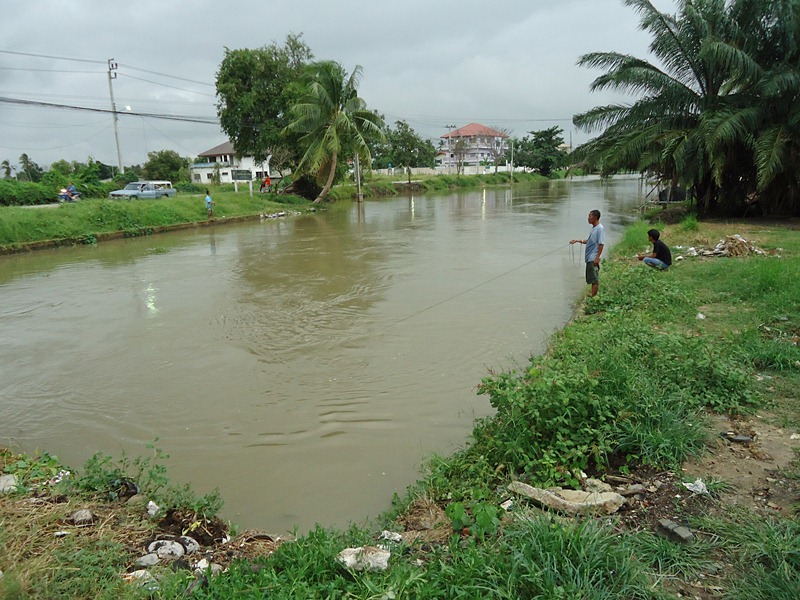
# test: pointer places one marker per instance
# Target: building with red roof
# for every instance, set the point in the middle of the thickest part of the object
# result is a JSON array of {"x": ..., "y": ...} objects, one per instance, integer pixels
[{"x": 472, "y": 145}]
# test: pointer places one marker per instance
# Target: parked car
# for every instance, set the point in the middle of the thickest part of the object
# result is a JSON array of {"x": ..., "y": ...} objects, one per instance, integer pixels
[{"x": 145, "y": 189}]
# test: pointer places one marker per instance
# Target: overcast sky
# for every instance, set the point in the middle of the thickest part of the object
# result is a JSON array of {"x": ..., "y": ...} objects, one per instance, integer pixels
[{"x": 509, "y": 65}]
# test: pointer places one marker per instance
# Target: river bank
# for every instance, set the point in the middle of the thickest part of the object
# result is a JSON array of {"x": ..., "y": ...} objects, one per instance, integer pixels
[
  {"x": 735, "y": 369},
  {"x": 24, "y": 229}
]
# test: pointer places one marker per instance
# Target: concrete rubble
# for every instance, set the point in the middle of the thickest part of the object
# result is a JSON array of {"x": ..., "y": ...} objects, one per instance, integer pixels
[
  {"x": 570, "y": 502},
  {"x": 365, "y": 558}
]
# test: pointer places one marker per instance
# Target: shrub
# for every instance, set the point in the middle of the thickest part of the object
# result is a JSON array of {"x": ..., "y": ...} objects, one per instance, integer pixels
[{"x": 25, "y": 193}]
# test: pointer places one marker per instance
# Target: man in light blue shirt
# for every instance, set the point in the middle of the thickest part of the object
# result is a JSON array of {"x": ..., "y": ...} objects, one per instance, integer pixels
[{"x": 594, "y": 248}]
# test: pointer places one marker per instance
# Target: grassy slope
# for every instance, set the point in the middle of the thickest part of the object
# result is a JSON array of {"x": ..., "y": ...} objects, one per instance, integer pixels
[
  {"x": 628, "y": 381},
  {"x": 87, "y": 218}
]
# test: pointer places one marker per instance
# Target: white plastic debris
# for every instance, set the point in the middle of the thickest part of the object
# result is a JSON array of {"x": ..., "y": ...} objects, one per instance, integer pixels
[
  {"x": 795, "y": 436},
  {"x": 152, "y": 508},
  {"x": 391, "y": 536},
  {"x": 167, "y": 549},
  {"x": 8, "y": 483},
  {"x": 60, "y": 476},
  {"x": 701, "y": 316},
  {"x": 143, "y": 578},
  {"x": 366, "y": 558},
  {"x": 698, "y": 487}
]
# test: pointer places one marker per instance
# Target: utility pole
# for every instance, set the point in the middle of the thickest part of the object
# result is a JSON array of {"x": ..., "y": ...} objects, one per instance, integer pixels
[
  {"x": 357, "y": 171},
  {"x": 512, "y": 161},
  {"x": 112, "y": 66},
  {"x": 449, "y": 154}
]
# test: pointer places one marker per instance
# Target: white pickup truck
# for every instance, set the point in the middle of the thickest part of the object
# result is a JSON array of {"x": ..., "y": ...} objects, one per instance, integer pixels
[{"x": 145, "y": 189}]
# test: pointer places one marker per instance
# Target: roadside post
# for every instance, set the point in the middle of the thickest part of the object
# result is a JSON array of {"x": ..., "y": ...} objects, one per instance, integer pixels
[{"x": 242, "y": 175}]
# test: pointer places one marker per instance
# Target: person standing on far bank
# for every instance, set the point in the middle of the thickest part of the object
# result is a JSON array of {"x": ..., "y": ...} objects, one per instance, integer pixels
[
  {"x": 209, "y": 205},
  {"x": 594, "y": 248}
]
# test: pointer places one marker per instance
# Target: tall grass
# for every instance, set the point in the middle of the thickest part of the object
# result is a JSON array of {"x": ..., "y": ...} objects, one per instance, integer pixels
[
  {"x": 764, "y": 553},
  {"x": 536, "y": 558}
]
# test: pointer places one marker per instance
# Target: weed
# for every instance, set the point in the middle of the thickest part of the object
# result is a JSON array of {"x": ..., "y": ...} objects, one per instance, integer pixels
[
  {"x": 31, "y": 471},
  {"x": 690, "y": 223},
  {"x": 109, "y": 479}
]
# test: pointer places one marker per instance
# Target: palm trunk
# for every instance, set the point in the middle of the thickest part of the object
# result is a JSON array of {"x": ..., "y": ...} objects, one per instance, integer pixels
[{"x": 327, "y": 188}]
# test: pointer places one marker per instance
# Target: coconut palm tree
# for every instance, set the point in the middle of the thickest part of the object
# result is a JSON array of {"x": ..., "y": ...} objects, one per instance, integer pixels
[
  {"x": 7, "y": 168},
  {"x": 709, "y": 111},
  {"x": 775, "y": 45},
  {"x": 332, "y": 121}
]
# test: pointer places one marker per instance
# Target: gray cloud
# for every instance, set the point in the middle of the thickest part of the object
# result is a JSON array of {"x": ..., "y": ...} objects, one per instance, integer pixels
[{"x": 509, "y": 65}]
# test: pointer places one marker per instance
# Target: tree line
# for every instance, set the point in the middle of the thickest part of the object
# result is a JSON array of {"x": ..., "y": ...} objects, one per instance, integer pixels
[
  {"x": 717, "y": 111},
  {"x": 280, "y": 106}
]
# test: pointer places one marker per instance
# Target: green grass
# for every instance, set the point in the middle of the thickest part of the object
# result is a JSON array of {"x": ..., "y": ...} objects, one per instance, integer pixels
[
  {"x": 86, "y": 219},
  {"x": 536, "y": 558},
  {"x": 765, "y": 554}
]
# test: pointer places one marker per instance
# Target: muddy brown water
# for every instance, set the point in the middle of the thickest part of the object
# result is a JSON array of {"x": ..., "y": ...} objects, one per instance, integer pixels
[{"x": 304, "y": 366}]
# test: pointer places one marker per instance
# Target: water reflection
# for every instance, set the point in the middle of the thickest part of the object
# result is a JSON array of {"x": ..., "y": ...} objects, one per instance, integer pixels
[{"x": 305, "y": 366}]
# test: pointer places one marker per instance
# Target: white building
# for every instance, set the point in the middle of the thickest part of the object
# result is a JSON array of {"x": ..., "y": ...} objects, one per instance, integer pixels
[
  {"x": 222, "y": 159},
  {"x": 481, "y": 145}
]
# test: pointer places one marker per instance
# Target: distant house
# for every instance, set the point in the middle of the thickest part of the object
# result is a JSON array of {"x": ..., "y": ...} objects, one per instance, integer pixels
[
  {"x": 223, "y": 159},
  {"x": 481, "y": 145}
]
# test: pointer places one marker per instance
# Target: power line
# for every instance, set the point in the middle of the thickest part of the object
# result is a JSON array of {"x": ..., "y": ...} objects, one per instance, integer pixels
[
  {"x": 166, "y": 85},
  {"x": 165, "y": 75},
  {"x": 86, "y": 60},
  {"x": 185, "y": 118},
  {"x": 48, "y": 70}
]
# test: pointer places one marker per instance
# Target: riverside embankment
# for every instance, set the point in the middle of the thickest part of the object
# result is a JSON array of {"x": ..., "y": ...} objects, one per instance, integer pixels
[{"x": 602, "y": 370}]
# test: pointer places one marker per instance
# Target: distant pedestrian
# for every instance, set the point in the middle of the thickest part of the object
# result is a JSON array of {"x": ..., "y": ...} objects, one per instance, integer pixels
[
  {"x": 594, "y": 248},
  {"x": 660, "y": 258},
  {"x": 209, "y": 205}
]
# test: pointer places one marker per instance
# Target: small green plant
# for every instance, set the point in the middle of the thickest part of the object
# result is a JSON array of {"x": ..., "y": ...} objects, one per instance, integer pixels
[
  {"x": 689, "y": 223},
  {"x": 458, "y": 515},
  {"x": 32, "y": 470},
  {"x": 487, "y": 518},
  {"x": 111, "y": 479}
]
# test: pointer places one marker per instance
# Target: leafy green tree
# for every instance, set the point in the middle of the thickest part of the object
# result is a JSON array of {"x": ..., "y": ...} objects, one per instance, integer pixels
[
  {"x": 166, "y": 165},
  {"x": 89, "y": 173},
  {"x": 332, "y": 120},
  {"x": 105, "y": 171},
  {"x": 62, "y": 167},
  {"x": 542, "y": 151},
  {"x": 408, "y": 149},
  {"x": 719, "y": 112},
  {"x": 256, "y": 90},
  {"x": 379, "y": 148}
]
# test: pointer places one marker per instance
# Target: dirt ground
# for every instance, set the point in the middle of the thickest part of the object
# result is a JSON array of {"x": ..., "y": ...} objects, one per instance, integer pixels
[{"x": 754, "y": 470}]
